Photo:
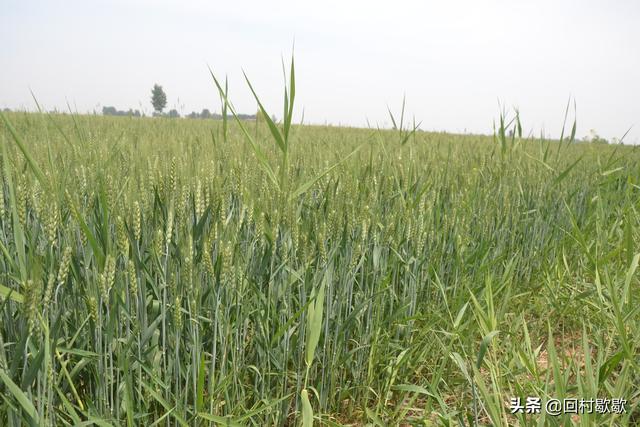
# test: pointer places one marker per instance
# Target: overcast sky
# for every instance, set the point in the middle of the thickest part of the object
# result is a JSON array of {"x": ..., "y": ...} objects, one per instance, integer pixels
[{"x": 454, "y": 60}]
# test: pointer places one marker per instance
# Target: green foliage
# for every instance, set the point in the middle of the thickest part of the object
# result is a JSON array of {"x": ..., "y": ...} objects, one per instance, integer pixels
[
  {"x": 158, "y": 98},
  {"x": 186, "y": 273}
]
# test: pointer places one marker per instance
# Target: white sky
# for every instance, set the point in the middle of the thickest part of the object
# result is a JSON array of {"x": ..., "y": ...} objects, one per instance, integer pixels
[{"x": 454, "y": 60}]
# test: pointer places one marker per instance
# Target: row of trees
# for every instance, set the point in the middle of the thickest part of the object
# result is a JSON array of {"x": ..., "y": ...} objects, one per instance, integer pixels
[
  {"x": 112, "y": 111},
  {"x": 204, "y": 114},
  {"x": 159, "y": 102}
]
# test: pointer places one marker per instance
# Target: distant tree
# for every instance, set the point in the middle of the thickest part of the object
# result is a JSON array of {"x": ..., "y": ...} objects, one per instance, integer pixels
[
  {"x": 594, "y": 138},
  {"x": 158, "y": 98},
  {"x": 109, "y": 111},
  {"x": 205, "y": 114},
  {"x": 247, "y": 116},
  {"x": 112, "y": 111},
  {"x": 174, "y": 114}
]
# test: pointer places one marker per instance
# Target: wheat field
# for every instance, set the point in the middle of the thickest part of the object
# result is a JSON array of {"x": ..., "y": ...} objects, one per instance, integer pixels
[{"x": 160, "y": 271}]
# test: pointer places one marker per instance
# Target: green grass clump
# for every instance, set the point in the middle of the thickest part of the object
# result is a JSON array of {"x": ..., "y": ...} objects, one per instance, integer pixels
[{"x": 183, "y": 272}]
